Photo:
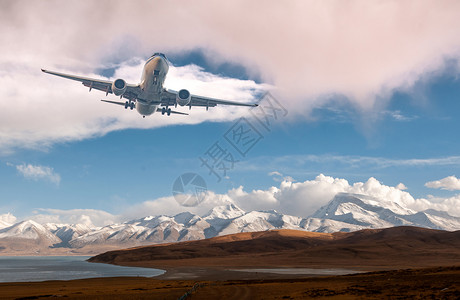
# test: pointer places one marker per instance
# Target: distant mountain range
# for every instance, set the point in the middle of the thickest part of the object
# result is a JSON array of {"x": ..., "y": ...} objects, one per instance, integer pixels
[{"x": 346, "y": 212}]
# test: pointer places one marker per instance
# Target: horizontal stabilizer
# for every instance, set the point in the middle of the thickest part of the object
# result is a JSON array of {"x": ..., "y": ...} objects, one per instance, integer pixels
[{"x": 114, "y": 102}]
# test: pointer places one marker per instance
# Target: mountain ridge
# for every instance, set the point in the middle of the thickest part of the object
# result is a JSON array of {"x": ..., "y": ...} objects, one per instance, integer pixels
[{"x": 344, "y": 213}]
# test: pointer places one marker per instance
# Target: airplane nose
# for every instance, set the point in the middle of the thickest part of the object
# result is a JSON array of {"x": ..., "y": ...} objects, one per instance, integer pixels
[{"x": 159, "y": 60}]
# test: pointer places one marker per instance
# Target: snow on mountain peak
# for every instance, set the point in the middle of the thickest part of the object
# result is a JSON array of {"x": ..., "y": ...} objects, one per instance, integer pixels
[
  {"x": 28, "y": 230},
  {"x": 228, "y": 211},
  {"x": 345, "y": 212},
  {"x": 349, "y": 212},
  {"x": 184, "y": 217},
  {"x": 364, "y": 201}
]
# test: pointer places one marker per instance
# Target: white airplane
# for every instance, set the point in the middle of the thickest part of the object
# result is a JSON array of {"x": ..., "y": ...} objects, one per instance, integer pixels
[{"x": 149, "y": 95}]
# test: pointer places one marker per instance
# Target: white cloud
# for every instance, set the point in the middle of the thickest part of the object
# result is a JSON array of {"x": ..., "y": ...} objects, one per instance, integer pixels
[
  {"x": 39, "y": 173},
  {"x": 450, "y": 205},
  {"x": 277, "y": 176},
  {"x": 303, "y": 198},
  {"x": 401, "y": 186},
  {"x": 275, "y": 173},
  {"x": 74, "y": 216},
  {"x": 306, "y": 49},
  {"x": 294, "y": 162},
  {"x": 398, "y": 116},
  {"x": 295, "y": 198},
  {"x": 74, "y": 114},
  {"x": 7, "y": 218},
  {"x": 450, "y": 183},
  {"x": 169, "y": 206}
]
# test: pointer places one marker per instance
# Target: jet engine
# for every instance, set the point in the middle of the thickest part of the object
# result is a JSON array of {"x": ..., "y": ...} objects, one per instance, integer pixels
[
  {"x": 183, "y": 97},
  {"x": 119, "y": 87}
]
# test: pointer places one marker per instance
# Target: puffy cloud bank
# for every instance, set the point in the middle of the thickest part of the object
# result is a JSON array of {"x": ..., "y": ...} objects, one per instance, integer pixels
[
  {"x": 309, "y": 50},
  {"x": 295, "y": 198},
  {"x": 304, "y": 198}
]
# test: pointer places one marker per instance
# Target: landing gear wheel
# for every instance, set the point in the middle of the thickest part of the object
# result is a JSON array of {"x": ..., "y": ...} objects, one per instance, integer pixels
[
  {"x": 131, "y": 105},
  {"x": 169, "y": 111},
  {"x": 163, "y": 110},
  {"x": 126, "y": 104}
]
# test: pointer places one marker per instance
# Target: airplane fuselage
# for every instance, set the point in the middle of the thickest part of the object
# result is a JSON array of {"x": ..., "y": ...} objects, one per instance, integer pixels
[
  {"x": 149, "y": 95},
  {"x": 153, "y": 77}
]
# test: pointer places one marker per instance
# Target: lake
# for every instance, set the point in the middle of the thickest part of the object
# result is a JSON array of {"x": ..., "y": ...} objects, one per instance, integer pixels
[{"x": 41, "y": 268}]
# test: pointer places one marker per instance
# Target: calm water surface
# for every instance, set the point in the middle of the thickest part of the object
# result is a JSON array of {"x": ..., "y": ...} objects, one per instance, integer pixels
[{"x": 40, "y": 268}]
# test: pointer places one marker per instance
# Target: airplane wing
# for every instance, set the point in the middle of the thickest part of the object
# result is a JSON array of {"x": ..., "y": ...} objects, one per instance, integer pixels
[
  {"x": 103, "y": 85},
  {"x": 169, "y": 99}
]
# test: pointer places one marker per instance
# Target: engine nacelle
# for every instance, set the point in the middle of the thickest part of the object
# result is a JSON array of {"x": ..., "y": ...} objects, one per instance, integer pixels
[
  {"x": 119, "y": 87},
  {"x": 183, "y": 97}
]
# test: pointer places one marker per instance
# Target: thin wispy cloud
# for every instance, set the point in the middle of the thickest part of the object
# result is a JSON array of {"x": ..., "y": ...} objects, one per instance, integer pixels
[
  {"x": 382, "y": 162},
  {"x": 296, "y": 162},
  {"x": 450, "y": 183},
  {"x": 37, "y": 172},
  {"x": 338, "y": 114},
  {"x": 397, "y": 115},
  {"x": 89, "y": 217},
  {"x": 277, "y": 176}
]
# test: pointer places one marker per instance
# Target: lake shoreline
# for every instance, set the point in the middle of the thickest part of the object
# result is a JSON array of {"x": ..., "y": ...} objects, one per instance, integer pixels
[{"x": 36, "y": 269}]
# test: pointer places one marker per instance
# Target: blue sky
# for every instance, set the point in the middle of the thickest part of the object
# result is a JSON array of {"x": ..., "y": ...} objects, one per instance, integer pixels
[
  {"x": 399, "y": 129},
  {"x": 135, "y": 165}
]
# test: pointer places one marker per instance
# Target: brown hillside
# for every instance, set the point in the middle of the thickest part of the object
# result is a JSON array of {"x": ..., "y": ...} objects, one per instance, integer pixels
[{"x": 378, "y": 249}]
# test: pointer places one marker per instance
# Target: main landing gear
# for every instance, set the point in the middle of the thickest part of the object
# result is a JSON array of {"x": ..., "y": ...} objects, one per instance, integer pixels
[
  {"x": 129, "y": 104},
  {"x": 165, "y": 110}
]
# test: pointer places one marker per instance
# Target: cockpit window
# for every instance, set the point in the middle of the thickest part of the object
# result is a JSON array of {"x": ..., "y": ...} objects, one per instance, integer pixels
[{"x": 160, "y": 54}]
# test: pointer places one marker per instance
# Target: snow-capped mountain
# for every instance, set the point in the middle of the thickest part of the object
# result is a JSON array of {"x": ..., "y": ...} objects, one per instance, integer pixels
[
  {"x": 66, "y": 233},
  {"x": 148, "y": 230},
  {"x": 350, "y": 212},
  {"x": 260, "y": 221},
  {"x": 27, "y": 235},
  {"x": 346, "y": 212},
  {"x": 220, "y": 220},
  {"x": 28, "y": 230}
]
